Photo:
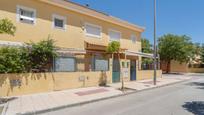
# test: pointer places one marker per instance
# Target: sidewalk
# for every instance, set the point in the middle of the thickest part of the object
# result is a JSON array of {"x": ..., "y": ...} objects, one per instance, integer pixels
[
  {"x": 36, "y": 103},
  {"x": 148, "y": 84}
]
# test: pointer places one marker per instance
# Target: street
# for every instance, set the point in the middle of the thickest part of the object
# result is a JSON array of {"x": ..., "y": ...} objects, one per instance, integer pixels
[{"x": 186, "y": 98}]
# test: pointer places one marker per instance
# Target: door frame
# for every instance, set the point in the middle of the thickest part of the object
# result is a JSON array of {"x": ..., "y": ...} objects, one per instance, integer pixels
[
  {"x": 117, "y": 72},
  {"x": 133, "y": 71}
]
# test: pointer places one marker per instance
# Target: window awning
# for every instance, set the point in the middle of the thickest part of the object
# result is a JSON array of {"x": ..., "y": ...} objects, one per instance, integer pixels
[
  {"x": 133, "y": 53},
  {"x": 70, "y": 51}
]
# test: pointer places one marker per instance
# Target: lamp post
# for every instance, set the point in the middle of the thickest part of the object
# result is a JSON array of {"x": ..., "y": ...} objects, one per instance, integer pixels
[{"x": 155, "y": 47}]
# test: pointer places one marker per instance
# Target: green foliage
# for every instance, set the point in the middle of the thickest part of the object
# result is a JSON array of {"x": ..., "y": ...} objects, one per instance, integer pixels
[
  {"x": 198, "y": 48},
  {"x": 146, "y": 48},
  {"x": 42, "y": 54},
  {"x": 202, "y": 53},
  {"x": 113, "y": 47},
  {"x": 23, "y": 59},
  {"x": 174, "y": 47},
  {"x": 13, "y": 60},
  {"x": 7, "y": 27}
]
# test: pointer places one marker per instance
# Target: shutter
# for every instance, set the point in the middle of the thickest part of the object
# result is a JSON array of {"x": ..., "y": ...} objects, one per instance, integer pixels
[
  {"x": 65, "y": 64},
  {"x": 115, "y": 36},
  {"x": 93, "y": 30}
]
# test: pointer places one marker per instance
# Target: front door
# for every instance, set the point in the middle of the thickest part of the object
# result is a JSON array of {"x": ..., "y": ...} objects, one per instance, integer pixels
[
  {"x": 132, "y": 70},
  {"x": 116, "y": 70}
]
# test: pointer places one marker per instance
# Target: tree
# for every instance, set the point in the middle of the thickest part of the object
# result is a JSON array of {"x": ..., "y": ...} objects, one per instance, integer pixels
[
  {"x": 7, "y": 27},
  {"x": 114, "y": 47},
  {"x": 146, "y": 48},
  {"x": 175, "y": 47},
  {"x": 202, "y": 53},
  {"x": 198, "y": 48}
]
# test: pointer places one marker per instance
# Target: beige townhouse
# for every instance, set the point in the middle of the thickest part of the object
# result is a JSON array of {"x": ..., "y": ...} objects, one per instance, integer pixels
[{"x": 82, "y": 36}]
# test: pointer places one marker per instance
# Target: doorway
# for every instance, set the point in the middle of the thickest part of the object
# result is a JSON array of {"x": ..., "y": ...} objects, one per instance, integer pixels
[
  {"x": 116, "y": 70},
  {"x": 133, "y": 70}
]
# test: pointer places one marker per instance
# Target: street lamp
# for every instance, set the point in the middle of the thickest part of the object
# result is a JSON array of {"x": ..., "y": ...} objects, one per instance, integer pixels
[{"x": 155, "y": 47}]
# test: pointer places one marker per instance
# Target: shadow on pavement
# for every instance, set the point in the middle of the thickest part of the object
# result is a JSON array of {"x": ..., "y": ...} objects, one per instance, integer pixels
[
  {"x": 5, "y": 100},
  {"x": 199, "y": 85},
  {"x": 195, "y": 107}
]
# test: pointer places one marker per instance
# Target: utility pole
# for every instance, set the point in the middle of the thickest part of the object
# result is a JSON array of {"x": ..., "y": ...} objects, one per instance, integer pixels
[{"x": 155, "y": 47}]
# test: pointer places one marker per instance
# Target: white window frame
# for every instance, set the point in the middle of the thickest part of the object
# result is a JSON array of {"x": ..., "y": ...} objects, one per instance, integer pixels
[
  {"x": 61, "y": 18},
  {"x": 18, "y": 16},
  {"x": 91, "y": 35},
  {"x": 131, "y": 36},
  {"x": 113, "y": 30}
]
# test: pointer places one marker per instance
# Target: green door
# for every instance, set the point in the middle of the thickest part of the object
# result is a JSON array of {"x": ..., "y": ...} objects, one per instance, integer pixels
[{"x": 116, "y": 71}]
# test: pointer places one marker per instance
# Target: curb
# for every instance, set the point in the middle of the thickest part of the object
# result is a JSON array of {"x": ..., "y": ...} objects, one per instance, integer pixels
[{"x": 91, "y": 101}]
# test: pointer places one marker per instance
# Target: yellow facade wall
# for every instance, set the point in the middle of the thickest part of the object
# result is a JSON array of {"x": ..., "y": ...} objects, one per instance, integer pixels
[
  {"x": 64, "y": 38},
  {"x": 183, "y": 68},
  {"x": 196, "y": 70},
  {"x": 147, "y": 74},
  {"x": 46, "y": 82},
  {"x": 178, "y": 67}
]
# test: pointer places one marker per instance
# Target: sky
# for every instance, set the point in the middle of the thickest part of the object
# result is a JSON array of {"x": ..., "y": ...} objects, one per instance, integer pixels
[{"x": 181, "y": 17}]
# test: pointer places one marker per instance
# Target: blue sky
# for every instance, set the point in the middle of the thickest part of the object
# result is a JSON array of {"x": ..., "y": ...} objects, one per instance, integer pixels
[{"x": 173, "y": 16}]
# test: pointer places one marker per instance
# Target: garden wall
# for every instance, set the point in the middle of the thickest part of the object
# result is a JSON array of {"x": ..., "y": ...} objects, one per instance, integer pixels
[
  {"x": 29, "y": 83},
  {"x": 148, "y": 74},
  {"x": 20, "y": 84},
  {"x": 196, "y": 70}
]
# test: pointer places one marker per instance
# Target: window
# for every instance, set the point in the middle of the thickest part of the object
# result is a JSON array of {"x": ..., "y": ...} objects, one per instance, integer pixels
[
  {"x": 65, "y": 64},
  {"x": 133, "y": 38},
  {"x": 99, "y": 63},
  {"x": 93, "y": 30},
  {"x": 59, "y": 22},
  {"x": 26, "y": 15},
  {"x": 114, "y": 35}
]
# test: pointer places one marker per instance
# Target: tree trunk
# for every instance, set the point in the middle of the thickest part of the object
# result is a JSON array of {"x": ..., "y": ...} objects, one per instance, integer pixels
[
  {"x": 122, "y": 80},
  {"x": 168, "y": 66}
]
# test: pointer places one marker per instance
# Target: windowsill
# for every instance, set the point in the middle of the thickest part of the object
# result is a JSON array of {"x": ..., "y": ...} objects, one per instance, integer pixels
[
  {"x": 93, "y": 36},
  {"x": 114, "y": 40},
  {"x": 26, "y": 23},
  {"x": 65, "y": 71},
  {"x": 59, "y": 28}
]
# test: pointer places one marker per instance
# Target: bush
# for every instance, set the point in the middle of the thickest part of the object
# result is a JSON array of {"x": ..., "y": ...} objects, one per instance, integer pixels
[
  {"x": 24, "y": 59},
  {"x": 42, "y": 54},
  {"x": 7, "y": 27},
  {"x": 13, "y": 60}
]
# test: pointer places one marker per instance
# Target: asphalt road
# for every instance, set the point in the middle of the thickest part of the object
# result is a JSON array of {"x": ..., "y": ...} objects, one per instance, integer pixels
[{"x": 186, "y": 98}]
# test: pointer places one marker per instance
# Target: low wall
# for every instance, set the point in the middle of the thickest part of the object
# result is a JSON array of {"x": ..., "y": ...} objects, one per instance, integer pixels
[
  {"x": 20, "y": 84},
  {"x": 177, "y": 67},
  {"x": 147, "y": 74},
  {"x": 196, "y": 70},
  {"x": 28, "y": 83}
]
